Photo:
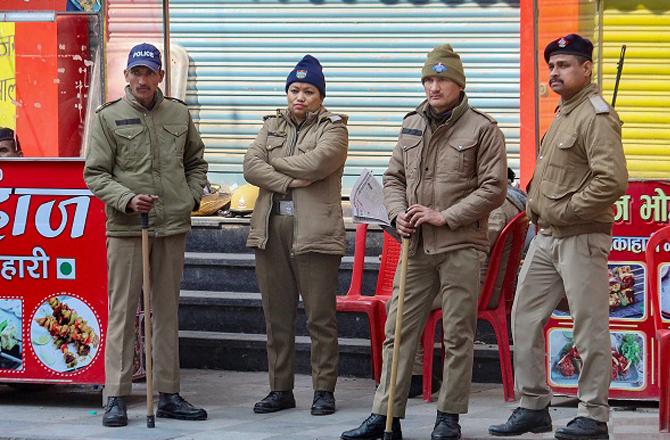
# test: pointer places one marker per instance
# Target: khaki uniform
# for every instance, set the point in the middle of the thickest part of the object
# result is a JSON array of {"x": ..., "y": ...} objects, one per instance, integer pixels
[
  {"x": 133, "y": 150},
  {"x": 459, "y": 169},
  {"x": 580, "y": 172},
  {"x": 514, "y": 204},
  {"x": 300, "y": 252}
]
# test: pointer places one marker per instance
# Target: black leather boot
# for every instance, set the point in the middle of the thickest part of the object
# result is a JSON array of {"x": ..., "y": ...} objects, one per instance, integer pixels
[
  {"x": 446, "y": 427},
  {"x": 173, "y": 406},
  {"x": 372, "y": 428},
  {"x": 115, "y": 412},
  {"x": 524, "y": 420},
  {"x": 583, "y": 428},
  {"x": 323, "y": 404},
  {"x": 275, "y": 401}
]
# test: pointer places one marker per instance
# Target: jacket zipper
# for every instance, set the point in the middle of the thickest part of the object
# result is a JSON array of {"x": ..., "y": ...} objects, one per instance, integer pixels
[{"x": 295, "y": 211}]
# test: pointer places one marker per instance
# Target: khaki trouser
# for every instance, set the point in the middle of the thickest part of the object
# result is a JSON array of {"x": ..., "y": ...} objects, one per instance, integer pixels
[
  {"x": 281, "y": 277},
  {"x": 124, "y": 261},
  {"x": 417, "y": 369},
  {"x": 575, "y": 267},
  {"x": 455, "y": 277}
]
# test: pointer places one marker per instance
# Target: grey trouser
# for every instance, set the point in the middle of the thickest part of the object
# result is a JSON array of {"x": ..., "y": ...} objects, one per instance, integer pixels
[
  {"x": 574, "y": 267},
  {"x": 281, "y": 277},
  {"x": 455, "y": 277},
  {"x": 124, "y": 261}
]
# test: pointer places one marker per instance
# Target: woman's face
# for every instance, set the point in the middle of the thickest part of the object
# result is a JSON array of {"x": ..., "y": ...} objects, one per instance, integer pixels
[{"x": 303, "y": 98}]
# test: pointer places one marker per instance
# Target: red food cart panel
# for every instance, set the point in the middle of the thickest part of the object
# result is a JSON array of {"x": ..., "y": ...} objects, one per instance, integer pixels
[{"x": 53, "y": 299}]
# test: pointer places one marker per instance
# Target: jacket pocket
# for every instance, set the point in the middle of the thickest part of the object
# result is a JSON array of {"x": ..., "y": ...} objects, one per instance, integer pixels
[
  {"x": 274, "y": 145},
  {"x": 410, "y": 151},
  {"x": 173, "y": 140},
  {"x": 131, "y": 143},
  {"x": 567, "y": 140},
  {"x": 461, "y": 156}
]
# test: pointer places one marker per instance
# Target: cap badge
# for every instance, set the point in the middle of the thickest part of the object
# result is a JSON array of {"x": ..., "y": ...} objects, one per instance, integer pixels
[
  {"x": 439, "y": 68},
  {"x": 562, "y": 42},
  {"x": 300, "y": 74}
]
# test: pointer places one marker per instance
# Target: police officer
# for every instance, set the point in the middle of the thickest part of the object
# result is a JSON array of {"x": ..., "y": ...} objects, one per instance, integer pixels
[
  {"x": 446, "y": 174},
  {"x": 580, "y": 172},
  {"x": 297, "y": 232},
  {"x": 9, "y": 143},
  {"x": 145, "y": 156}
]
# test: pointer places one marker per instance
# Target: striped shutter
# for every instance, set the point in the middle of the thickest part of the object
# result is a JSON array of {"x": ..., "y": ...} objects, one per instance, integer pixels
[
  {"x": 372, "y": 52},
  {"x": 643, "y": 100}
]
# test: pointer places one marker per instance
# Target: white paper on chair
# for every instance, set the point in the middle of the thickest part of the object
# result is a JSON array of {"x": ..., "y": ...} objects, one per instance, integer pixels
[{"x": 367, "y": 200}]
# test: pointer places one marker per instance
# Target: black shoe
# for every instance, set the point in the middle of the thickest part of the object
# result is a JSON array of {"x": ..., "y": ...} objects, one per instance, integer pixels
[
  {"x": 275, "y": 401},
  {"x": 373, "y": 428},
  {"x": 115, "y": 412},
  {"x": 583, "y": 428},
  {"x": 524, "y": 420},
  {"x": 446, "y": 427},
  {"x": 324, "y": 403},
  {"x": 173, "y": 406},
  {"x": 416, "y": 385}
]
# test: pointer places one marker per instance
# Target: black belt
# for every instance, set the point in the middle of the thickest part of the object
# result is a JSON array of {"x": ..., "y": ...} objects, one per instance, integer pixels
[{"x": 282, "y": 207}]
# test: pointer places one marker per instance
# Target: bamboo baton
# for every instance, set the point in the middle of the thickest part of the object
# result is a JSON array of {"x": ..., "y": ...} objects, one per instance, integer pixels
[
  {"x": 146, "y": 290},
  {"x": 388, "y": 431}
]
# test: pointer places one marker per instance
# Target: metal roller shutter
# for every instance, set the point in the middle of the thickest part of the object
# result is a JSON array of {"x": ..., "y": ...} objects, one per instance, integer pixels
[
  {"x": 644, "y": 91},
  {"x": 371, "y": 50}
]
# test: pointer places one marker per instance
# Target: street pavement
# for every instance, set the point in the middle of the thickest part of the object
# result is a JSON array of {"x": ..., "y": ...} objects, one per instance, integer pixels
[{"x": 74, "y": 412}]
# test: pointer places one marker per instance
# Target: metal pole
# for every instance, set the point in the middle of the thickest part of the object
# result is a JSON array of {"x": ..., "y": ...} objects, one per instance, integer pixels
[{"x": 166, "y": 47}]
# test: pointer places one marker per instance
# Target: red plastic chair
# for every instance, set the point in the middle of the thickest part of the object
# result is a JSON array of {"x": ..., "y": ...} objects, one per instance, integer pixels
[
  {"x": 653, "y": 260},
  {"x": 495, "y": 312},
  {"x": 373, "y": 306}
]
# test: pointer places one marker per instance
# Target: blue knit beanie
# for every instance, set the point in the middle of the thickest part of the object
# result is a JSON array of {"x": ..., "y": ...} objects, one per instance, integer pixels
[{"x": 308, "y": 70}]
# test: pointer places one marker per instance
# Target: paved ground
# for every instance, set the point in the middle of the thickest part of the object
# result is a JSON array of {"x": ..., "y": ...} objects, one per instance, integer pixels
[{"x": 71, "y": 413}]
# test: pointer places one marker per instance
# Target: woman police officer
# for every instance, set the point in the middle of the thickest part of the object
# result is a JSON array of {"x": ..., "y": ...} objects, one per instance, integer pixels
[{"x": 297, "y": 231}]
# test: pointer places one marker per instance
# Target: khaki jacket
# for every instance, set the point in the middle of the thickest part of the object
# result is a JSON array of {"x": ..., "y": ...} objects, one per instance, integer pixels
[
  {"x": 132, "y": 150},
  {"x": 459, "y": 170},
  {"x": 581, "y": 169},
  {"x": 316, "y": 152}
]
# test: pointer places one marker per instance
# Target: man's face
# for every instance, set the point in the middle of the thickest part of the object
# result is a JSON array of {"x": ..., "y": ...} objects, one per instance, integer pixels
[
  {"x": 442, "y": 93},
  {"x": 303, "y": 98},
  {"x": 143, "y": 83},
  {"x": 567, "y": 75},
  {"x": 8, "y": 149}
]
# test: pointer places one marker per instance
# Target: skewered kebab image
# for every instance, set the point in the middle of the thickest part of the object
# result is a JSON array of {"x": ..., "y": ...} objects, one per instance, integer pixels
[{"x": 65, "y": 326}]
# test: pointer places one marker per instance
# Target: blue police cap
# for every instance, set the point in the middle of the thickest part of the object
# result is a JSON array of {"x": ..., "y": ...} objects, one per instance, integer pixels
[{"x": 146, "y": 55}]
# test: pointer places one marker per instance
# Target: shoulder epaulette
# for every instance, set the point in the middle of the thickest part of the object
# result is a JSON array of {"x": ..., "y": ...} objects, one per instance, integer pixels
[
  {"x": 486, "y": 115},
  {"x": 175, "y": 100},
  {"x": 338, "y": 118},
  {"x": 599, "y": 104},
  {"x": 413, "y": 112},
  {"x": 266, "y": 117},
  {"x": 106, "y": 104}
]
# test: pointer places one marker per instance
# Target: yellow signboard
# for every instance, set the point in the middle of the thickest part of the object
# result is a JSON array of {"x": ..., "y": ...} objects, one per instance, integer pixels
[{"x": 7, "y": 76}]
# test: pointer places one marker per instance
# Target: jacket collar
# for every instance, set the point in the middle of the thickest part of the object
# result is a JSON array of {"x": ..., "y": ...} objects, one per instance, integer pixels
[
  {"x": 130, "y": 99},
  {"x": 310, "y": 118},
  {"x": 456, "y": 113},
  {"x": 565, "y": 107}
]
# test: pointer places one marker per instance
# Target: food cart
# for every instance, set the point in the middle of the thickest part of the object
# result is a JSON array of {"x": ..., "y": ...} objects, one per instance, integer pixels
[{"x": 53, "y": 276}]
